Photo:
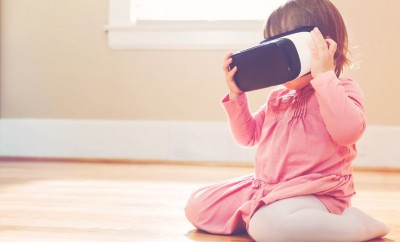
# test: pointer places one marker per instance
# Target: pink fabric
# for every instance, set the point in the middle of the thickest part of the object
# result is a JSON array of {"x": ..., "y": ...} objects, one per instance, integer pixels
[{"x": 306, "y": 142}]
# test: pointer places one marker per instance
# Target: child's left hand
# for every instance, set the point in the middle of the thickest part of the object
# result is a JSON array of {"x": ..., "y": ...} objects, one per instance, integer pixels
[{"x": 323, "y": 52}]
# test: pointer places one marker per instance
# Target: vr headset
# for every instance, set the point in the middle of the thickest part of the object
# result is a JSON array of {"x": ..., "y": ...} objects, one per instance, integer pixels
[{"x": 274, "y": 61}]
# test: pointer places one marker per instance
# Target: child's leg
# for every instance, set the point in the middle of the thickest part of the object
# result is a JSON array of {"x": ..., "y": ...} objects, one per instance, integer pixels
[
  {"x": 216, "y": 208},
  {"x": 305, "y": 218}
]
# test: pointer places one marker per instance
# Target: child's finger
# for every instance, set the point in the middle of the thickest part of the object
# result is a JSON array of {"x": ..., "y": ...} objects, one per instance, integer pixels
[
  {"x": 232, "y": 72},
  {"x": 313, "y": 48},
  {"x": 318, "y": 39},
  {"x": 228, "y": 55},
  {"x": 225, "y": 65},
  {"x": 332, "y": 46}
]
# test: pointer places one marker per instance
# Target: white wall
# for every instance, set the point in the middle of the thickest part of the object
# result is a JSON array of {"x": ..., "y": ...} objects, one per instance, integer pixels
[{"x": 63, "y": 92}]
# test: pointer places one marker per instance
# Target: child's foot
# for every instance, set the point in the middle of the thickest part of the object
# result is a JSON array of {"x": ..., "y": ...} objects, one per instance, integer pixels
[{"x": 373, "y": 228}]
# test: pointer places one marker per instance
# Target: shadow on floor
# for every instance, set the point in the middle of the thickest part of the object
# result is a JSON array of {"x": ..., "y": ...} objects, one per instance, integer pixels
[{"x": 198, "y": 235}]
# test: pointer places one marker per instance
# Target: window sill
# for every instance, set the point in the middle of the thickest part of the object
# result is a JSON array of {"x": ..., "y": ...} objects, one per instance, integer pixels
[{"x": 171, "y": 35}]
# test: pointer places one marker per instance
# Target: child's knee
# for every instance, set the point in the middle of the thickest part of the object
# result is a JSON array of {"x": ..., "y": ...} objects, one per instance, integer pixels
[
  {"x": 195, "y": 209},
  {"x": 205, "y": 213},
  {"x": 192, "y": 209}
]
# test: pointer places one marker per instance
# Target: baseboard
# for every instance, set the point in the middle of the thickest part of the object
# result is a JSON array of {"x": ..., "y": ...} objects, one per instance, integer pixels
[
  {"x": 237, "y": 164},
  {"x": 173, "y": 141}
]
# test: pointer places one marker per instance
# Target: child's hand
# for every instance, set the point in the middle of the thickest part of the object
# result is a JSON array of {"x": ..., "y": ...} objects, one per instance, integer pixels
[
  {"x": 323, "y": 52},
  {"x": 234, "y": 91}
]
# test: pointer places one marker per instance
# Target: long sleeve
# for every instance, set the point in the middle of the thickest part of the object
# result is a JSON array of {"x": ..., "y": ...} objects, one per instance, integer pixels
[
  {"x": 341, "y": 107},
  {"x": 245, "y": 127}
]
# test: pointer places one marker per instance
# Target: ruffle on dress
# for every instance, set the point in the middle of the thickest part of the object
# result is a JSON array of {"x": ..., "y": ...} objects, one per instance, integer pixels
[{"x": 227, "y": 208}]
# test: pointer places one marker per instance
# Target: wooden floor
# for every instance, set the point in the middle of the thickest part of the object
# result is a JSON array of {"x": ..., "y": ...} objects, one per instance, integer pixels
[{"x": 56, "y": 201}]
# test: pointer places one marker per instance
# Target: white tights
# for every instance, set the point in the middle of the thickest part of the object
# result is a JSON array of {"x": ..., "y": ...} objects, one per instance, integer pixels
[{"x": 305, "y": 218}]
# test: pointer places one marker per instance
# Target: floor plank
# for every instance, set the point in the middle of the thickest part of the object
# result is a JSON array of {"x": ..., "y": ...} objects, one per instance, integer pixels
[{"x": 60, "y": 201}]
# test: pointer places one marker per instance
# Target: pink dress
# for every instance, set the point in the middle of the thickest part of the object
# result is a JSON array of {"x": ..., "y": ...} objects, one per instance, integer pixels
[{"x": 306, "y": 142}]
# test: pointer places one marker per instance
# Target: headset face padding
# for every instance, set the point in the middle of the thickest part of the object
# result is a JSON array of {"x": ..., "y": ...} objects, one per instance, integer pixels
[{"x": 274, "y": 61}]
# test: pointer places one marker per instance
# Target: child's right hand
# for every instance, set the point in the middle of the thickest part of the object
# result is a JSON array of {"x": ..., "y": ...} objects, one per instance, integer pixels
[{"x": 234, "y": 90}]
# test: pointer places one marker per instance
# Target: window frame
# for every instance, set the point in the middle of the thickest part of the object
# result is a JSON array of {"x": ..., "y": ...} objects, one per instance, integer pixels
[{"x": 125, "y": 34}]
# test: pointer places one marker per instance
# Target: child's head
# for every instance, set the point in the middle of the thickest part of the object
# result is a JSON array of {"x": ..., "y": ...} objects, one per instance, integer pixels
[{"x": 319, "y": 13}]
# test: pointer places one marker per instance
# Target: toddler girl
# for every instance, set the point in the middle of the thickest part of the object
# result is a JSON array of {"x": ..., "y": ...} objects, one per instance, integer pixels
[{"x": 306, "y": 134}]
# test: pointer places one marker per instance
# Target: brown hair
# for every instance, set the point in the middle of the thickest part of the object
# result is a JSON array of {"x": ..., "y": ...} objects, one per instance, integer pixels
[{"x": 319, "y": 13}]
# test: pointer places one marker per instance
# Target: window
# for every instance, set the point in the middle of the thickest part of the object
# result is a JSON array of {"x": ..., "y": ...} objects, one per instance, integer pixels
[{"x": 187, "y": 24}]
